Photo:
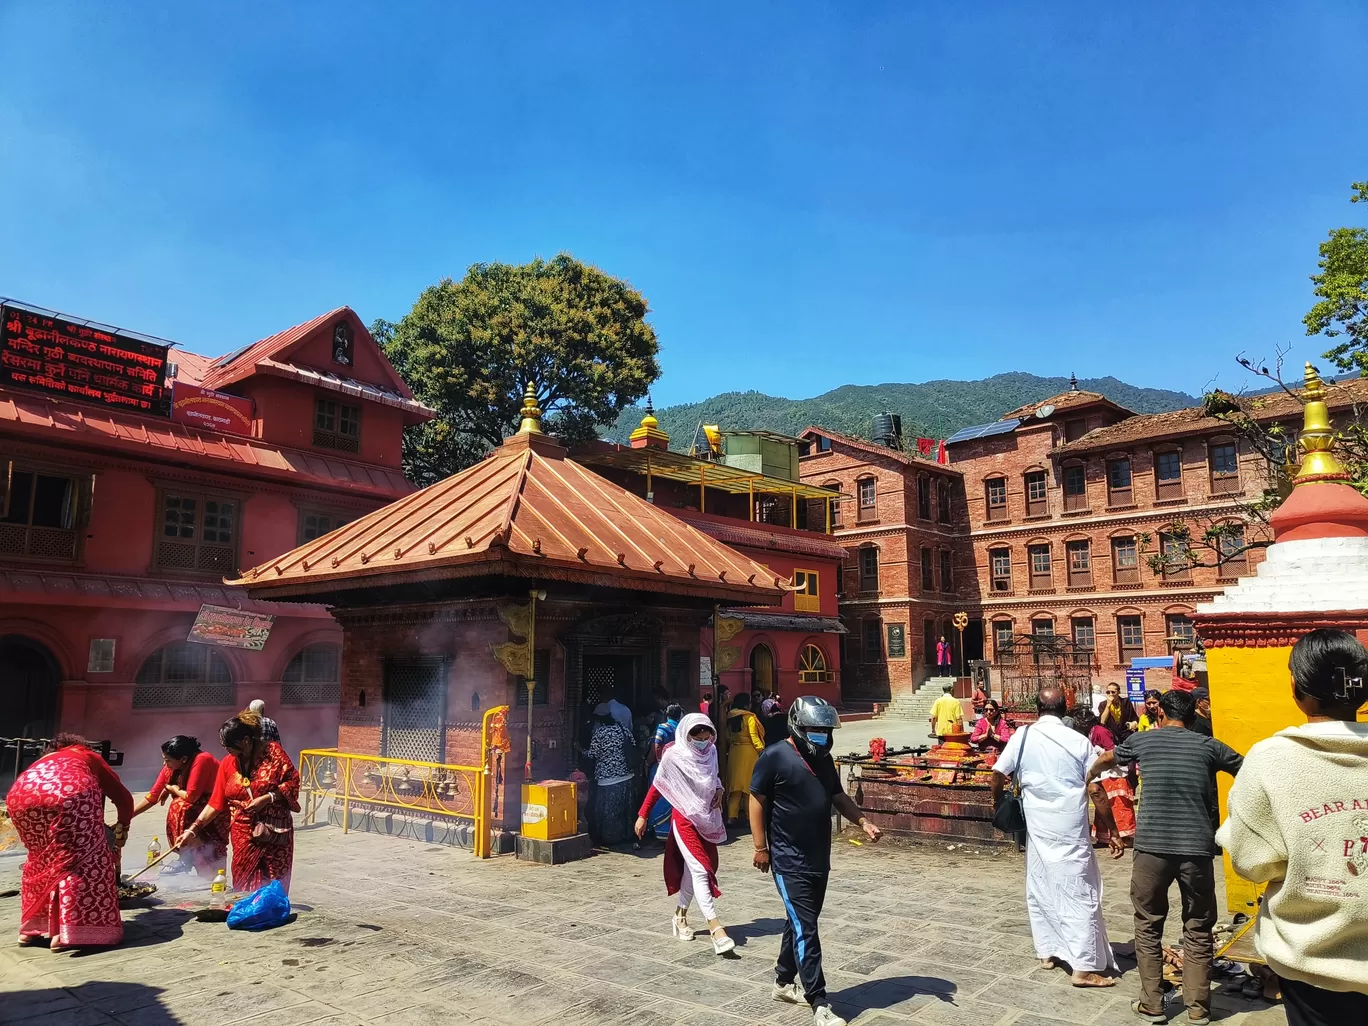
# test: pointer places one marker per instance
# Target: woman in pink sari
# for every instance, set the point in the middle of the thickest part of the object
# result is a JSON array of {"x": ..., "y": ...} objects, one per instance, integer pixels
[
  {"x": 69, "y": 894},
  {"x": 688, "y": 779}
]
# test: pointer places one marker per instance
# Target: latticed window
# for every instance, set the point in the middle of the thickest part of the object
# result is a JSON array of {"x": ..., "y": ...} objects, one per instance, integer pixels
[
  {"x": 1119, "y": 482},
  {"x": 38, "y": 514},
  {"x": 182, "y": 674},
  {"x": 1181, "y": 635},
  {"x": 869, "y": 569},
  {"x": 316, "y": 525},
  {"x": 944, "y": 512},
  {"x": 337, "y": 425},
  {"x": 313, "y": 677},
  {"x": 923, "y": 497},
  {"x": 1231, "y": 543},
  {"x": 1168, "y": 474},
  {"x": 1125, "y": 561},
  {"x": 1041, "y": 575},
  {"x": 1037, "y": 502},
  {"x": 1225, "y": 468},
  {"x": 1002, "y": 636},
  {"x": 198, "y": 533},
  {"x": 995, "y": 488},
  {"x": 415, "y": 711},
  {"x": 1174, "y": 551},
  {"x": 928, "y": 571},
  {"x": 1130, "y": 636},
  {"x": 947, "y": 570},
  {"x": 873, "y": 641},
  {"x": 1042, "y": 628},
  {"x": 1084, "y": 635},
  {"x": 1075, "y": 487},
  {"x": 866, "y": 490},
  {"x": 1000, "y": 561},
  {"x": 1079, "y": 555}
]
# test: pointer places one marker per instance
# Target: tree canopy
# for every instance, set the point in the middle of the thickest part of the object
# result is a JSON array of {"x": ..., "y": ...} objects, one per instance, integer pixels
[
  {"x": 1342, "y": 285},
  {"x": 470, "y": 348}
]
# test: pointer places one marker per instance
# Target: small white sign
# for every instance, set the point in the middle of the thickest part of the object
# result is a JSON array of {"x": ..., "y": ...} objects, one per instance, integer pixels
[
  {"x": 533, "y": 813},
  {"x": 705, "y": 671},
  {"x": 101, "y": 656}
]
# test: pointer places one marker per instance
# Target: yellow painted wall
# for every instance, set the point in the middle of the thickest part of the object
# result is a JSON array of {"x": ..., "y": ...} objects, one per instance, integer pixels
[{"x": 1251, "y": 699}]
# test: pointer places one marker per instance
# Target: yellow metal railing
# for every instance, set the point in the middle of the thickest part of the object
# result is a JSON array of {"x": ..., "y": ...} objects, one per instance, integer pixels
[{"x": 460, "y": 792}]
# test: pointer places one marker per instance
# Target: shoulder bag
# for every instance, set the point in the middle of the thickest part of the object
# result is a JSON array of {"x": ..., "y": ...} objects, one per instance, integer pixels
[{"x": 1010, "y": 816}]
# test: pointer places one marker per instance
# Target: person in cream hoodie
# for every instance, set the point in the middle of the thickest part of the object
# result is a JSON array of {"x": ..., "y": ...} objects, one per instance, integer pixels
[{"x": 1299, "y": 823}]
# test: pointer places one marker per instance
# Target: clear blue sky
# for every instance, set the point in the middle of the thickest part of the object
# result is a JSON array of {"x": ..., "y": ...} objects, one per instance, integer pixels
[{"x": 808, "y": 194}]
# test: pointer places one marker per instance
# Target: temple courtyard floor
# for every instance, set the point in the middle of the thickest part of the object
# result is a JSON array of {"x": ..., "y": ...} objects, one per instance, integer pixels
[{"x": 398, "y": 932}]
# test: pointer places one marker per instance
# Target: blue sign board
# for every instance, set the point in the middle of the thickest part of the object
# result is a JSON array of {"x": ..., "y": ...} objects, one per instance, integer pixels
[{"x": 1135, "y": 685}]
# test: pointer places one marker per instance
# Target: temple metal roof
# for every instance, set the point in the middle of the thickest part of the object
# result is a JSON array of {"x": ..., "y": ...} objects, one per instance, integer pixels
[
  {"x": 676, "y": 466},
  {"x": 524, "y": 511}
]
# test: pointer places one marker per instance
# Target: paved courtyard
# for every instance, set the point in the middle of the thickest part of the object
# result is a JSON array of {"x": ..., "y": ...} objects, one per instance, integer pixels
[{"x": 397, "y": 932}]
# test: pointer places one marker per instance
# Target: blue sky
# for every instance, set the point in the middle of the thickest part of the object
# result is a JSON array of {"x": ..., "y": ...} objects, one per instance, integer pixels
[{"x": 809, "y": 194}]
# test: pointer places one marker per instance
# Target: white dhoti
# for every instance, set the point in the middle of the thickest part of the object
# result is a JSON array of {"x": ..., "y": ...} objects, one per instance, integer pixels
[{"x": 1064, "y": 902}]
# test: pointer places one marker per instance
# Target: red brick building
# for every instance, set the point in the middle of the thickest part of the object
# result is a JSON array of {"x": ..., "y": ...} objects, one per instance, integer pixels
[
  {"x": 907, "y": 569},
  {"x": 118, "y": 522},
  {"x": 793, "y": 646}
]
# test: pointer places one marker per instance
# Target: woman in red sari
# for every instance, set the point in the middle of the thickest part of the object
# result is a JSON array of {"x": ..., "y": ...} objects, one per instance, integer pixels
[
  {"x": 188, "y": 778},
  {"x": 258, "y": 787},
  {"x": 69, "y": 893}
]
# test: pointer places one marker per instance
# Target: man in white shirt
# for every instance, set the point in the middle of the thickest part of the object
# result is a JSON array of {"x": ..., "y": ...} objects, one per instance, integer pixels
[{"x": 1063, "y": 879}]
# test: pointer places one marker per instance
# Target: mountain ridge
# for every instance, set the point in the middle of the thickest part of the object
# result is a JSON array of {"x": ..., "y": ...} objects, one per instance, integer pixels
[{"x": 932, "y": 409}]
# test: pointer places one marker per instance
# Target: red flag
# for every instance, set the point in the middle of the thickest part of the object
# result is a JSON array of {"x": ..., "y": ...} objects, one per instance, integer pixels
[
  {"x": 941, "y": 455},
  {"x": 925, "y": 445}
]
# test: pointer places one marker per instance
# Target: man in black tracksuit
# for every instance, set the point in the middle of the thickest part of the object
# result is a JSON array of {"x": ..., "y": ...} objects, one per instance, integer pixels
[{"x": 793, "y": 790}]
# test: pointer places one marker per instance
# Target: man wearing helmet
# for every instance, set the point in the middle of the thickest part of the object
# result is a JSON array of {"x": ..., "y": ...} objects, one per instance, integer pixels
[{"x": 792, "y": 792}]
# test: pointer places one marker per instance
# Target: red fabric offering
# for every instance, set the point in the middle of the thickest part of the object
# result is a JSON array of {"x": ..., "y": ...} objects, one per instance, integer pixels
[
  {"x": 256, "y": 864},
  {"x": 69, "y": 890}
]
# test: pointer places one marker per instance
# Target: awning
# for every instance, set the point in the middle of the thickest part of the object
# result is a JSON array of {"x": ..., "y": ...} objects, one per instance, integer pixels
[{"x": 678, "y": 467}]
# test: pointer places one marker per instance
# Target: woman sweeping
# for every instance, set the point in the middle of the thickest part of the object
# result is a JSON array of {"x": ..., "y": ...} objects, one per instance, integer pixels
[
  {"x": 69, "y": 891},
  {"x": 187, "y": 778},
  {"x": 688, "y": 780},
  {"x": 258, "y": 786}
]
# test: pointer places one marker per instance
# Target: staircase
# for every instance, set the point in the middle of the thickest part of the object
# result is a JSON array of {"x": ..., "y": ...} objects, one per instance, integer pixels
[{"x": 917, "y": 706}]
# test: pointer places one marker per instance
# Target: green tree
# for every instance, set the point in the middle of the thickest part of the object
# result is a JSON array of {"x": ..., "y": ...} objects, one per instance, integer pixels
[
  {"x": 469, "y": 349},
  {"x": 1342, "y": 286}
]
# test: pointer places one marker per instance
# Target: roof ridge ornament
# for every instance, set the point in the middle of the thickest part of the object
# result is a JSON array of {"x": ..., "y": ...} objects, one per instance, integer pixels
[
  {"x": 531, "y": 415},
  {"x": 1317, "y": 436}
]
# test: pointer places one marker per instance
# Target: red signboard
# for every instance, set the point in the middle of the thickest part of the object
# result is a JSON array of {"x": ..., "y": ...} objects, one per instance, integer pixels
[
  {"x": 77, "y": 361},
  {"x": 215, "y": 411},
  {"x": 231, "y": 628}
]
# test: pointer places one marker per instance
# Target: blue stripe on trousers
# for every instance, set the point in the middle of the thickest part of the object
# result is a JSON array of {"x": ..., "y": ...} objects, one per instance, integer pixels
[{"x": 799, "y": 943}]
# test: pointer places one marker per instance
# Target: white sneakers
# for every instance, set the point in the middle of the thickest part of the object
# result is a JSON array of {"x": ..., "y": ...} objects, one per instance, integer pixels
[
  {"x": 822, "y": 1015},
  {"x": 789, "y": 993}
]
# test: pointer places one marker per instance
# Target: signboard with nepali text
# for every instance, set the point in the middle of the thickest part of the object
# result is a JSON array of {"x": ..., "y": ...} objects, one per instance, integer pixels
[
  {"x": 48, "y": 354},
  {"x": 231, "y": 628},
  {"x": 215, "y": 411}
]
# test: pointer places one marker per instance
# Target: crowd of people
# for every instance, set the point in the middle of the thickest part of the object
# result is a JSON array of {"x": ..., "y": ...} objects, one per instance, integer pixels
[{"x": 69, "y": 890}]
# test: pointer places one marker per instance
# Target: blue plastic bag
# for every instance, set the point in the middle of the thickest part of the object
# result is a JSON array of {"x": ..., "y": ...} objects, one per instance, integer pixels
[{"x": 265, "y": 908}]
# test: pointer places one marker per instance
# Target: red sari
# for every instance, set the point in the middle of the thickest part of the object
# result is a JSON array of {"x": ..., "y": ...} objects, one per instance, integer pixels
[
  {"x": 208, "y": 851},
  {"x": 69, "y": 891},
  {"x": 256, "y": 864}
]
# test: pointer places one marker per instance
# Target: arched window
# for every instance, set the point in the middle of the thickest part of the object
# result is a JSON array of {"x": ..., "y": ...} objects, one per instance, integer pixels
[
  {"x": 1037, "y": 493},
  {"x": 1075, "y": 485},
  {"x": 995, "y": 497},
  {"x": 313, "y": 677},
  {"x": 866, "y": 492},
  {"x": 835, "y": 486},
  {"x": 183, "y": 674},
  {"x": 812, "y": 667}
]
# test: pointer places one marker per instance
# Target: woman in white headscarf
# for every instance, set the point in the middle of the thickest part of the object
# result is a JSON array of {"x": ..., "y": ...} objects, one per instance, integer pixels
[{"x": 689, "y": 781}]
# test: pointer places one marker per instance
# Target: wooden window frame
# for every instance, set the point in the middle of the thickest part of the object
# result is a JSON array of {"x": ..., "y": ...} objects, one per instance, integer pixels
[
  {"x": 339, "y": 519},
  {"x": 1087, "y": 624},
  {"x": 866, "y": 512},
  {"x": 1180, "y": 572},
  {"x": 297, "y": 688},
  {"x": 928, "y": 569},
  {"x": 925, "y": 506},
  {"x": 1046, "y": 621},
  {"x": 1118, "y": 495},
  {"x": 1079, "y": 572},
  {"x": 202, "y": 495},
  {"x": 1037, "y": 507},
  {"x": 999, "y": 582},
  {"x": 335, "y": 438},
  {"x": 809, "y": 599},
  {"x": 1125, "y": 653},
  {"x": 1075, "y": 428},
  {"x": 1170, "y": 634},
  {"x": 25, "y": 542},
  {"x": 998, "y": 630},
  {"x": 1223, "y": 482},
  {"x": 995, "y": 510},
  {"x": 1229, "y": 568},
  {"x": 1166, "y": 489},
  {"x": 834, "y": 504},
  {"x": 1125, "y": 574},
  {"x": 211, "y": 690},
  {"x": 947, "y": 570},
  {"x": 1074, "y": 501},
  {"x": 945, "y": 507},
  {"x": 869, "y": 581},
  {"x": 871, "y": 627},
  {"x": 1040, "y": 580}
]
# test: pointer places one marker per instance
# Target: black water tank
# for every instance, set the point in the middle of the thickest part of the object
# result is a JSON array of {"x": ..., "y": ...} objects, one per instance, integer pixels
[{"x": 887, "y": 430}]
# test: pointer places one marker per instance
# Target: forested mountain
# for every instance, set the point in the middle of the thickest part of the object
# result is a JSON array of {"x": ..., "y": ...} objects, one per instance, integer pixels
[{"x": 931, "y": 409}]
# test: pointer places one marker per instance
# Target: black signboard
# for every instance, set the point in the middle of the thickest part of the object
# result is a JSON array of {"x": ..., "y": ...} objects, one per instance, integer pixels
[
  {"x": 45, "y": 353},
  {"x": 897, "y": 641}
]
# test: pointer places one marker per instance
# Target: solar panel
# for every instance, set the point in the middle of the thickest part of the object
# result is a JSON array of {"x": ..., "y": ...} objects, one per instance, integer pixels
[
  {"x": 224, "y": 361},
  {"x": 997, "y": 427}
]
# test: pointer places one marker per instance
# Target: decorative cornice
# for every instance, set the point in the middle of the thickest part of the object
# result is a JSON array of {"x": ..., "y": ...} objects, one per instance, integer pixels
[{"x": 1271, "y": 630}]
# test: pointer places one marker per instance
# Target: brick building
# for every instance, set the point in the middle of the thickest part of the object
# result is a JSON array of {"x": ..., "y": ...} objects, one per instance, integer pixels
[
  {"x": 908, "y": 566},
  {"x": 134, "y": 478},
  {"x": 1054, "y": 513}
]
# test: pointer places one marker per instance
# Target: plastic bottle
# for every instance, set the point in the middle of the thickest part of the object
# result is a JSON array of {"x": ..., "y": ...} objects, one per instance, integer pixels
[
  {"x": 153, "y": 851},
  {"x": 218, "y": 890}
]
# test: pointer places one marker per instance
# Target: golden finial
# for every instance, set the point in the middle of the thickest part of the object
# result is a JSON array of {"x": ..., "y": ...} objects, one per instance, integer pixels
[
  {"x": 531, "y": 416},
  {"x": 1317, "y": 436},
  {"x": 649, "y": 435}
]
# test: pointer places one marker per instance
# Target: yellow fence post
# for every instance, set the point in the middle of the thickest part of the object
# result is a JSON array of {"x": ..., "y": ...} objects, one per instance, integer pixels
[{"x": 346, "y": 791}]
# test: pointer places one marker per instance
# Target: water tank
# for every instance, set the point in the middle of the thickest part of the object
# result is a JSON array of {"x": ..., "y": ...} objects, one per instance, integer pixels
[{"x": 887, "y": 430}]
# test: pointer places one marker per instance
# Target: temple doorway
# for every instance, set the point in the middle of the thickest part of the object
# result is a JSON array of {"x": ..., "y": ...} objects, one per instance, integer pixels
[
  {"x": 612, "y": 675},
  {"x": 29, "y": 678},
  {"x": 762, "y": 669},
  {"x": 415, "y": 710}
]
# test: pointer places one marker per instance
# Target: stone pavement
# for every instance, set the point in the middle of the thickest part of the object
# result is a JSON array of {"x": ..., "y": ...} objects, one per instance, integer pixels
[{"x": 394, "y": 932}]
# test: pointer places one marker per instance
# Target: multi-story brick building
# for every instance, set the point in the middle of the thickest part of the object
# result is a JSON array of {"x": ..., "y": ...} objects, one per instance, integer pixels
[
  {"x": 1055, "y": 513},
  {"x": 134, "y": 478},
  {"x": 907, "y": 569}
]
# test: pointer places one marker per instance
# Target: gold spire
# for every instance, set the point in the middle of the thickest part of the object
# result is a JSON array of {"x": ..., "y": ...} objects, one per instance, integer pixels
[
  {"x": 531, "y": 416},
  {"x": 1317, "y": 436},
  {"x": 649, "y": 435}
]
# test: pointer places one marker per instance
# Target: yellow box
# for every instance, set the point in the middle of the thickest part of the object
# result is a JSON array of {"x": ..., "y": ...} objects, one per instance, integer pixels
[{"x": 549, "y": 810}]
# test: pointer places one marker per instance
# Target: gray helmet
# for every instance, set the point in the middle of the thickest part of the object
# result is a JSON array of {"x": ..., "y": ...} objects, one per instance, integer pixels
[{"x": 815, "y": 715}]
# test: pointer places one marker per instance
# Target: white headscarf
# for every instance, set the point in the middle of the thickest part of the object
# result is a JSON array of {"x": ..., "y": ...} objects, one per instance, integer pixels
[{"x": 688, "y": 779}]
